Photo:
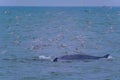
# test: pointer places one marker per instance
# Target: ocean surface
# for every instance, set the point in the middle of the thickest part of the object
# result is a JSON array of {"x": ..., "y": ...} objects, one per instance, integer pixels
[{"x": 29, "y": 32}]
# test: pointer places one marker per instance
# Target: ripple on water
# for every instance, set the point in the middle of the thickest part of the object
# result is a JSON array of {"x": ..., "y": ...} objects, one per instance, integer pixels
[{"x": 30, "y": 78}]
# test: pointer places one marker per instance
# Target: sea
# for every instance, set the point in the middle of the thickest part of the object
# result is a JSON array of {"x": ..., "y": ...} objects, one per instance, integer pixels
[{"x": 30, "y": 33}]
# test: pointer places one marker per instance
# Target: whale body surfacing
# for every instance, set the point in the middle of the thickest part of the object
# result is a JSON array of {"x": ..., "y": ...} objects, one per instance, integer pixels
[{"x": 79, "y": 57}]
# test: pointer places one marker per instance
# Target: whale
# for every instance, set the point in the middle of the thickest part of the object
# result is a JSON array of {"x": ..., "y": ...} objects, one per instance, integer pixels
[{"x": 79, "y": 57}]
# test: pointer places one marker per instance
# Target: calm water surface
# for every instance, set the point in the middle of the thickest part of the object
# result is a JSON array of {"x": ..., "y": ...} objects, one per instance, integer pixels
[{"x": 27, "y": 32}]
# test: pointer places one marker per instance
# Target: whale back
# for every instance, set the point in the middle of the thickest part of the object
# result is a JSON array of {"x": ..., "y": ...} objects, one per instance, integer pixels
[{"x": 79, "y": 57}]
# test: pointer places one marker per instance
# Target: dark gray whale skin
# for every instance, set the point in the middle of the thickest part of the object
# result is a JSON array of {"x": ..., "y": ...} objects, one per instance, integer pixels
[{"x": 79, "y": 57}]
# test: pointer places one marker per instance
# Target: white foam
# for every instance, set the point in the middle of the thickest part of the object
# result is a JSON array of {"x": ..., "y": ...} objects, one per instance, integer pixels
[
  {"x": 45, "y": 57},
  {"x": 110, "y": 58}
]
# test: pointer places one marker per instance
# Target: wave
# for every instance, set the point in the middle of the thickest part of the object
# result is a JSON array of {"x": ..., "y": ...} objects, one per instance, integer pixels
[{"x": 43, "y": 57}]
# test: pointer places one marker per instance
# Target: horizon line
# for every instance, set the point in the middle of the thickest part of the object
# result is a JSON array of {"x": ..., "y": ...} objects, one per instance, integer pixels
[{"x": 57, "y": 6}]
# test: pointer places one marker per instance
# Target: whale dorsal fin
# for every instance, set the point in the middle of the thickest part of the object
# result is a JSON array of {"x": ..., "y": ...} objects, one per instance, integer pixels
[
  {"x": 55, "y": 59},
  {"x": 106, "y": 56}
]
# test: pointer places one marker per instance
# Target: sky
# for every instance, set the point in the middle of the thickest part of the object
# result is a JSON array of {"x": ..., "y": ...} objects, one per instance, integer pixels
[{"x": 59, "y": 2}]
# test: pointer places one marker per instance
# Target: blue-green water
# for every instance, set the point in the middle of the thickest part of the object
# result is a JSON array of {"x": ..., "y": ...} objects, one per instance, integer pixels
[{"x": 27, "y": 32}]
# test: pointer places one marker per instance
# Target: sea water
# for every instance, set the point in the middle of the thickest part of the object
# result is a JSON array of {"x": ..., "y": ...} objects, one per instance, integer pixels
[{"x": 28, "y": 32}]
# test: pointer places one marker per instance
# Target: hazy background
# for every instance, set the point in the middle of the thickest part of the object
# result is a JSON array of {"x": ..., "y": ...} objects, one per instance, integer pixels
[{"x": 59, "y": 2}]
